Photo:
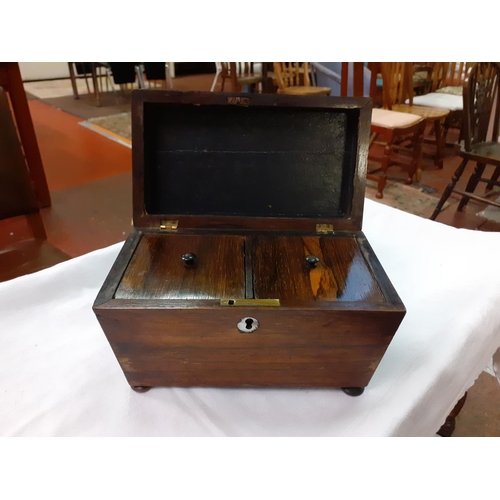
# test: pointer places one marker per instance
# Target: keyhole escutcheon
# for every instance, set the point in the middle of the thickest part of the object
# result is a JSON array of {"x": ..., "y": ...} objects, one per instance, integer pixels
[{"x": 248, "y": 325}]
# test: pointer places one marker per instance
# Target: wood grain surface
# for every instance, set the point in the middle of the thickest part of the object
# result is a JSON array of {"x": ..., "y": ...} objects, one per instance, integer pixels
[
  {"x": 175, "y": 347},
  {"x": 156, "y": 271},
  {"x": 281, "y": 271}
]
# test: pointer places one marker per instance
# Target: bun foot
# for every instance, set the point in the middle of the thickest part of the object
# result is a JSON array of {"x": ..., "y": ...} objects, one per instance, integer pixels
[
  {"x": 140, "y": 388},
  {"x": 353, "y": 391}
]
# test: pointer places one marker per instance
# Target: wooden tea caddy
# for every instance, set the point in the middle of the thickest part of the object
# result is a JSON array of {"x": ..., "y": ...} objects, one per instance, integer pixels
[{"x": 247, "y": 265}]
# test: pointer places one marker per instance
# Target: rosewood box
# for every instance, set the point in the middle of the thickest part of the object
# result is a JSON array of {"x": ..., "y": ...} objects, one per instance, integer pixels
[{"x": 247, "y": 265}]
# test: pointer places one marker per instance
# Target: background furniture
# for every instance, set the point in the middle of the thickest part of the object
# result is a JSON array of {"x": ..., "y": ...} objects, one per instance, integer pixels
[
  {"x": 10, "y": 80},
  {"x": 448, "y": 78},
  {"x": 293, "y": 78},
  {"x": 422, "y": 77},
  {"x": 443, "y": 344},
  {"x": 154, "y": 73},
  {"x": 401, "y": 88},
  {"x": 240, "y": 74},
  {"x": 481, "y": 107},
  {"x": 18, "y": 198},
  {"x": 339, "y": 77},
  {"x": 97, "y": 71},
  {"x": 394, "y": 128}
]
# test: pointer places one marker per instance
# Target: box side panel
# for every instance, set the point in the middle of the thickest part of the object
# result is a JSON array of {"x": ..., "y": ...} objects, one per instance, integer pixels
[
  {"x": 290, "y": 348},
  {"x": 108, "y": 289}
]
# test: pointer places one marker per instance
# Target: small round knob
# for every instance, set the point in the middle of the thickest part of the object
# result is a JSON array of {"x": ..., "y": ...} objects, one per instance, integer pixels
[
  {"x": 312, "y": 260},
  {"x": 189, "y": 258}
]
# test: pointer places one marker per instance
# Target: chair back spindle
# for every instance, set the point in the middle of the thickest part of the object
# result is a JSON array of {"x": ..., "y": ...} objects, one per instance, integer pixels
[
  {"x": 292, "y": 74},
  {"x": 481, "y": 103},
  {"x": 397, "y": 83}
]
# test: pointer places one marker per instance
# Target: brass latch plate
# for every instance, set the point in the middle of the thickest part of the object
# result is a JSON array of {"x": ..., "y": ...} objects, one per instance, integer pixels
[{"x": 250, "y": 302}]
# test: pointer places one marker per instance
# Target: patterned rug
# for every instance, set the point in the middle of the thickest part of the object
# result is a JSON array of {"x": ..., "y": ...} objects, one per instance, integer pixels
[
  {"x": 115, "y": 127},
  {"x": 491, "y": 213},
  {"x": 413, "y": 199}
]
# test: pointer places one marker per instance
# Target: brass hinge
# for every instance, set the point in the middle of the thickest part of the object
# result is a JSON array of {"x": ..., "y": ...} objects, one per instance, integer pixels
[
  {"x": 251, "y": 302},
  {"x": 324, "y": 228},
  {"x": 169, "y": 225}
]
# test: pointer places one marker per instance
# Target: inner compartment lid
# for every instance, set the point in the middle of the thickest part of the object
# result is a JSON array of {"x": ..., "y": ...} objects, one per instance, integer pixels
[{"x": 224, "y": 157}]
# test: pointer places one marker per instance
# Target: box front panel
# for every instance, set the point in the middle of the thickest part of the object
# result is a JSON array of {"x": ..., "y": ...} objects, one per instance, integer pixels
[{"x": 289, "y": 348}]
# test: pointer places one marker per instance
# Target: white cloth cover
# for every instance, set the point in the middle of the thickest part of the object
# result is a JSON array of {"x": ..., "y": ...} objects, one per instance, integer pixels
[
  {"x": 393, "y": 119},
  {"x": 59, "y": 376},
  {"x": 439, "y": 100}
]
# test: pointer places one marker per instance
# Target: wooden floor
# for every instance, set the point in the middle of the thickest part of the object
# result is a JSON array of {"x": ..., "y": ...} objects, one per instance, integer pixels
[{"x": 89, "y": 177}]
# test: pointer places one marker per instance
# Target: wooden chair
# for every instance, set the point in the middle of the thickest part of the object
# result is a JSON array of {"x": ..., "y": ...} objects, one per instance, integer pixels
[
  {"x": 293, "y": 78},
  {"x": 449, "y": 77},
  {"x": 402, "y": 91},
  {"x": 17, "y": 197},
  {"x": 240, "y": 74},
  {"x": 12, "y": 83},
  {"x": 397, "y": 129},
  {"x": 422, "y": 77},
  {"x": 448, "y": 80},
  {"x": 481, "y": 125},
  {"x": 391, "y": 126}
]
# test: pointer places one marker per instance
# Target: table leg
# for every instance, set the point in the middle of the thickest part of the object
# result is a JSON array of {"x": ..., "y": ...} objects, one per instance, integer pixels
[
  {"x": 73, "y": 80},
  {"x": 96, "y": 88},
  {"x": 449, "y": 426},
  {"x": 440, "y": 144}
]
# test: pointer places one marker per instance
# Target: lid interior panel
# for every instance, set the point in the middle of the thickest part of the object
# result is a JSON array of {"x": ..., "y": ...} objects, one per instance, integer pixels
[{"x": 261, "y": 161}]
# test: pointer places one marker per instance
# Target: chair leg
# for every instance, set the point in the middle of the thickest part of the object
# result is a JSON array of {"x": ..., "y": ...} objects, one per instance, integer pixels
[
  {"x": 215, "y": 81},
  {"x": 446, "y": 127},
  {"x": 35, "y": 223},
  {"x": 414, "y": 168},
  {"x": 168, "y": 78},
  {"x": 109, "y": 75},
  {"x": 416, "y": 162},
  {"x": 87, "y": 83},
  {"x": 96, "y": 86},
  {"x": 139, "y": 71},
  {"x": 472, "y": 184},
  {"x": 73, "y": 80},
  {"x": 494, "y": 178},
  {"x": 449, "y": 188},
  {"x": 382, "y": 180},
  {"x": 439, "y": 144}
]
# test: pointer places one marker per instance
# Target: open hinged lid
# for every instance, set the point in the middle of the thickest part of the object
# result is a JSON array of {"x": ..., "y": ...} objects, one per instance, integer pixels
[{"x": 248, "y": 161}]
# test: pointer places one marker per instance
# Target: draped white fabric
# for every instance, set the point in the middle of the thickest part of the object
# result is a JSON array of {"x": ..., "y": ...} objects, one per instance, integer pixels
[{"x": 59, "y": 377}]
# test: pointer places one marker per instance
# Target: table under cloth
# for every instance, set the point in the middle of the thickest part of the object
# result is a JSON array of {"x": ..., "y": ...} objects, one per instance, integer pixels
[{"x": 59, "y": 376}]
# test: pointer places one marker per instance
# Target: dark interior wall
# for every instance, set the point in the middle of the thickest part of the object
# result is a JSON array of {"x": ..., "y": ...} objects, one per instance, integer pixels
[{"x": 194, "y": 68}]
